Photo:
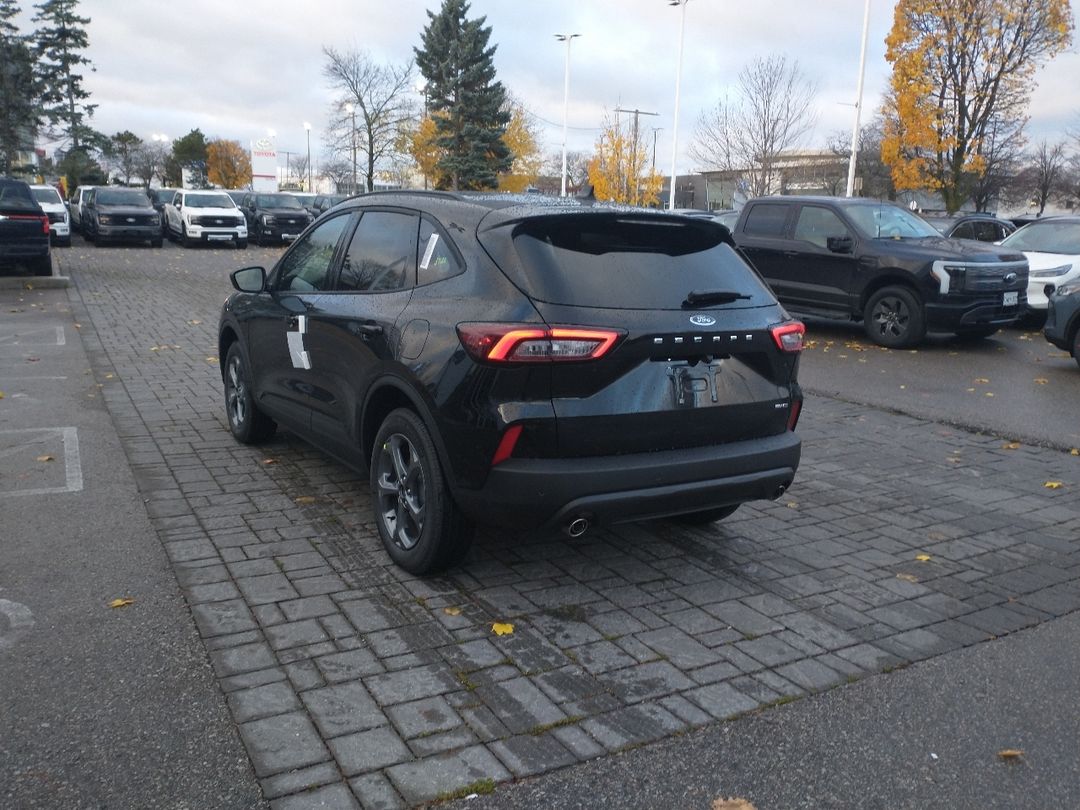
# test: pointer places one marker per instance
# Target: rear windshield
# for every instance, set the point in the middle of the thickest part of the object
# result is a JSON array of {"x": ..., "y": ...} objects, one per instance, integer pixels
[
  {"x": 16, "y": 197},
  {"x": 628, "y": 262}
]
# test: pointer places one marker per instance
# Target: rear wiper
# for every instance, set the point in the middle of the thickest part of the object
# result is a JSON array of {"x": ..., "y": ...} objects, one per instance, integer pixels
[{"x": 700, "y": 298}]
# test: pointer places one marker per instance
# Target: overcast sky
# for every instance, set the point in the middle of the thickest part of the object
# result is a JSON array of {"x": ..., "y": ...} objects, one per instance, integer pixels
[{"x": 235, "y": 70}]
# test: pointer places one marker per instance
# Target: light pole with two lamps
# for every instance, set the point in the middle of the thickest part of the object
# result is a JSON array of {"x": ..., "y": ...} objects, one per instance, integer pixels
[{"x": 567, "y": 38}]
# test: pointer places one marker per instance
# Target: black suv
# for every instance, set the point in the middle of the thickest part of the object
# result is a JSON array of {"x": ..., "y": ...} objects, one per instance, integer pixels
[
  {"x": 875, "y": 262},
  {"x": 492, "y": 359},
  {"x": 274, "y": 218},
  {"x": 24, "y": 229},
  {"x": 121, "y": 215},
  {"x": 978, "y": 226}
]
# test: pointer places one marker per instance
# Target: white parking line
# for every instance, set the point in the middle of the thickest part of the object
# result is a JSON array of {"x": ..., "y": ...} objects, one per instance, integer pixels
[
  {"x": 19, "y": 338},
  {"x": 72, "y": 461}
]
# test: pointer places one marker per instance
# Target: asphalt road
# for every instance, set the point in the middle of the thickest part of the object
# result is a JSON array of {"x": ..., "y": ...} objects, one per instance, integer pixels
[{"x": 1013, "y": 384}]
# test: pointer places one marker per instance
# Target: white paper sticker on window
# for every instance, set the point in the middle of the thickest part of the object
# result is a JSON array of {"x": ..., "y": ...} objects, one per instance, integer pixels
[{"x": 430, "y": 249}]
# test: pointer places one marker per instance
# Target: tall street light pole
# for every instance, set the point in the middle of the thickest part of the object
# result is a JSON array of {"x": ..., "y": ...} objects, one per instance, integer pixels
[
  {"x": 858, "y": 104},
  {"x": 567, "y": 38},
  {"x": 421, "y": 88},
  {"x": 307, "y": 128},
  {"x": 351, "y": 110},
  {"x": 678, "y": 84}
]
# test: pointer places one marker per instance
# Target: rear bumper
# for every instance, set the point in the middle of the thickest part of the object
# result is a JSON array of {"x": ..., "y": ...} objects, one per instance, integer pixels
[{"x": 547, "y": 493}]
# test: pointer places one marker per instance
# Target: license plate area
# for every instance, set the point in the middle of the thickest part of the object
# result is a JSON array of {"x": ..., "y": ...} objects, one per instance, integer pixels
[{"x": 1010, "y": 299}]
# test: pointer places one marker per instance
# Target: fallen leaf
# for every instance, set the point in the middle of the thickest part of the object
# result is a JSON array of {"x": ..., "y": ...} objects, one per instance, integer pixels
[
  {"x": 1053, "y": 485},
  {"x": 907, "y": 577},
  {"x": 452, "y": 611},
  {"x": 981, "y": 380},
  {"x": 500, "y": 629},
  {"x": 32, "y": 359},
  {"x": 1011, "y": 754},
  {"x": 1041, "y": 381},
  {"x": 269, "y": 461},
  {"x": 211, "y": 360},
  {"x": 1075, "y": 451},
  {"x": 732, "y": 804},
  {"x": 305, "y": 499},
  {"x": 1, "y": 394},
  {"x": 989, "y": 393},
  {"x": 46, "y": 458},
  {"x": 194, "y": 323},
  {"x": 1011, "y": 446},
  {"x": 923, "y": 557},
  {"x": 78, "y": 326},
  {"x": 119, "y": 603}
]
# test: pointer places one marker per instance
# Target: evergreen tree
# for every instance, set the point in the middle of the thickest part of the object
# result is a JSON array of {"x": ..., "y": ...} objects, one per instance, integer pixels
[
  {"x": 190, "y": 153},
  {"x": 19, "y": 113},
  {"x": 467, "y": 103},
  {"x": 59, "y": 44}
]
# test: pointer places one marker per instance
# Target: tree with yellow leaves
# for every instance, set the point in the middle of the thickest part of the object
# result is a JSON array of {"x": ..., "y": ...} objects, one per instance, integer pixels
[
  {"x": 617, "y": 171},
  {"x": 959, "y": 65},
  {"x": 228, "y": 164},
  {"x": 523, "y": 140}
]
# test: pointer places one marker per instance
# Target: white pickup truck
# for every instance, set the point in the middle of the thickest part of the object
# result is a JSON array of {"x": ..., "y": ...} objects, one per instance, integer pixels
[{"x": 205, "y": 216}]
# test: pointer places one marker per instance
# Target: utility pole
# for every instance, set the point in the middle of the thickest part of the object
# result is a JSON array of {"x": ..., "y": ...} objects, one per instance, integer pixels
[
  {"x": 633, "y": 146},
  {"x": 287, "y": 154}
]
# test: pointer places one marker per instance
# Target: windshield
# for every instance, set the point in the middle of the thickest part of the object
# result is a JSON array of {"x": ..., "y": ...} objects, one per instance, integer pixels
[
  {"x": 123, "y": 196},
  {"x": 887, "y": 221},
  {"x": 208, "y": 201},
  {"x": 1047, "y": 237},
  {"x": 277, "y": 201},
  {"x": 49, "y": 196}
]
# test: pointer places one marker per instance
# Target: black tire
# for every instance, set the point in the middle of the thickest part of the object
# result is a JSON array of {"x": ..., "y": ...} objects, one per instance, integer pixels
[
  {"x": 258, "y": 237},
  {"x": 157, "y": 242},
  {"x": 1076, "y": 346},
  {"x": 99, "y": 241},
  {"x": 184, "y": 240},
  {"x": 248, "y": 424},
  {"x": 894, "y": 318},
  {"x": 706, "y": 516},
  {"x": 420, "y": 525},
  {"x": 241, "y": 244},
  {"x": 42, "y": 266},
  {"x": 64, "y": 242}
]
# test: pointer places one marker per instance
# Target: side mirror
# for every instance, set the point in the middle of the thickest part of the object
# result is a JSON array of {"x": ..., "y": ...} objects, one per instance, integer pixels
[
  {"x": 840, "y": 244},
  {"x": 249, "y": 279}
]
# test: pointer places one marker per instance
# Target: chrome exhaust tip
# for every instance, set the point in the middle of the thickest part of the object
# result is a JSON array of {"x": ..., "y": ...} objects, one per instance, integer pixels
[{"x": 577, "y": 527}]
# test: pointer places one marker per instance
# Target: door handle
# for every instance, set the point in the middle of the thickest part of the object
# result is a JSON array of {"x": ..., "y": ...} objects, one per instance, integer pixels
[{"x": 367, "y": 329}]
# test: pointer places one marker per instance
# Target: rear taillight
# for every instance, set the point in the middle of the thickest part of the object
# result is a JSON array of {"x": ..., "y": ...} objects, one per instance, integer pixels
[
  {"x": 527, "y": 343},
  {"x": 45, "y": 222},
  {"x": 789, "y": 336}
]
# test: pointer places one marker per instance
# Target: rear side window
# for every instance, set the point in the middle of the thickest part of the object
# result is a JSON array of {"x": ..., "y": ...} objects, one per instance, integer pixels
[
  {"x": 626, "y": 262},
  {"x": 766, "y": 219},
  {"x": 437, "y": 258},
  {"x": 816, "y": 225},
  {"x": 381, "y": 254}
]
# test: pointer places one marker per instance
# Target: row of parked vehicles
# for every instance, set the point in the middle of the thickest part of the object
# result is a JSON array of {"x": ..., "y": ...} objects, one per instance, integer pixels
[{"x": 105, "y": 214}]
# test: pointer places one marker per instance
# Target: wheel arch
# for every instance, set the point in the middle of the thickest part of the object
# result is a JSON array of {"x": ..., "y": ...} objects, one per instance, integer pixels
[
  {"x": 227, "y": 337},
  {"x": 888, "y": 278},
  {"x": 389, "y": 394}
]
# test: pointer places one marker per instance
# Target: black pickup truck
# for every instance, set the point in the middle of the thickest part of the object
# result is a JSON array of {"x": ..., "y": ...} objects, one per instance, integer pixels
[{"x": 877, "y": 263}]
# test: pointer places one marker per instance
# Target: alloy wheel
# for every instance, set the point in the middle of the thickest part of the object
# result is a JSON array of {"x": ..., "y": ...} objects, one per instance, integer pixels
[{"x": 400, "y": 485}]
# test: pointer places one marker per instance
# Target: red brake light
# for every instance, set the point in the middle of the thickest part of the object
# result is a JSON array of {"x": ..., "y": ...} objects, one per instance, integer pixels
[
  {"x": 525, "y": 343},
  {"x": 789, "y": 336},
  {"x": 506, "y": 445}
]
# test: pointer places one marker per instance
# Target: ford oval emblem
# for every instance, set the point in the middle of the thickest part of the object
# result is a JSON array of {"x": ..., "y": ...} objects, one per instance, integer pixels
[
  {"x": 702, "y": 320},
  {"x": 1009, "y": 278}
]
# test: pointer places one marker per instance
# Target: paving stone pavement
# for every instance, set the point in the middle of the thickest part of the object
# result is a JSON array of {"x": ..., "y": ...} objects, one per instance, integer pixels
[{"x": 356, "y": 684}]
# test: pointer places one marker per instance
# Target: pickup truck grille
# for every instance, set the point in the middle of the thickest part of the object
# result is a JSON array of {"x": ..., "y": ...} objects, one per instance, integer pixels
[
  {"x": 994, "y": 277},
  {"x": 216, "y": 221}
]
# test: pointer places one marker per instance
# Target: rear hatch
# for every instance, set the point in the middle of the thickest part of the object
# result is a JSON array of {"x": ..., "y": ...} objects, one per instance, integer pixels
[
  {"x": 696, "y": 362},
  {"x": 24, "y": 226}
]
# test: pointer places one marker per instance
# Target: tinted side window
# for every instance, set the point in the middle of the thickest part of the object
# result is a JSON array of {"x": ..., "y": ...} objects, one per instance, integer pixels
[
  {"x": 381, "y": 254},
  {"x": 437, "y": 259},
  {"x": 965, "y": 230},
  {"x": 766, "y": 219},
  {"x": 816, "y": 225},
  {"x": 306, "y": 267},
  {"x": 988, "y": 231}
]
